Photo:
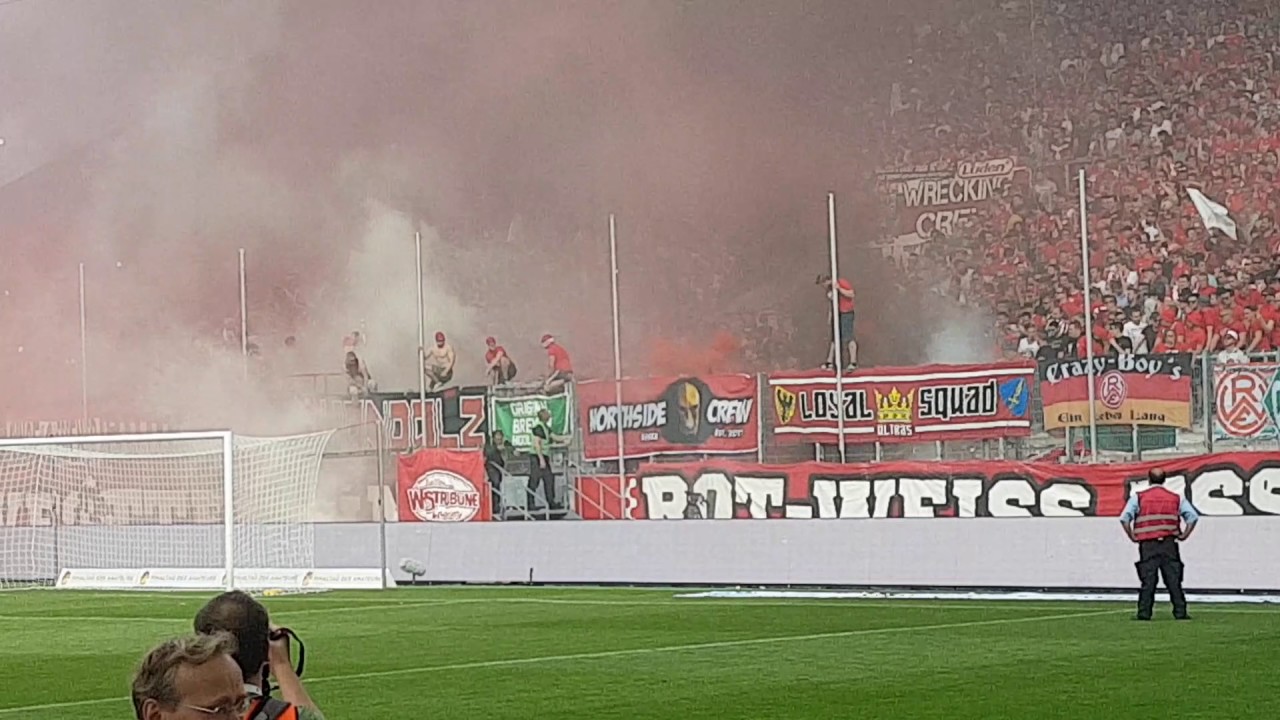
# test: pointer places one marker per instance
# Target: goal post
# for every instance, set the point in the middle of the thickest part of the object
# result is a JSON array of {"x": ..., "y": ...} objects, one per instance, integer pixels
[{"x": 178, "y": 511}]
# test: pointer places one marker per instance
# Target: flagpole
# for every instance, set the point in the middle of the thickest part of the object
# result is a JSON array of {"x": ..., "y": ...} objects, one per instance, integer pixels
[
  {"x": 836, "y": 340},
  {"x": 422, "y": 347},
  {"x": 84, "y": 355},
  {"x": 244, "y": 321},
  {"x": 1088, "y": 322},
  {"x": 617, "y": 362}
]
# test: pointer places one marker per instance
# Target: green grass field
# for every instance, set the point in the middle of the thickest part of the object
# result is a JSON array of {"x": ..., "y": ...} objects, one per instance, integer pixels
[{"x": 523, "y": 653}]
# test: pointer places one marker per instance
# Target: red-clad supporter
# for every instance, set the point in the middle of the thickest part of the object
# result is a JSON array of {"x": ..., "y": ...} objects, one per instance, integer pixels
[
  {"x": 1252, "y": 332},
  {"x": 559, "y": 365},
  {"x": 1150, "y": 100},
  {"x": 1270, "y": 315},
  {"x": 844, "y": 305},
  {"x": 499, "y": 366},
  {"x": 1167, "y": 343}
]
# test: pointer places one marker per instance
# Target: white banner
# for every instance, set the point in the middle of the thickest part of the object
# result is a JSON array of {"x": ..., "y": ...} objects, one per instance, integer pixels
[{"x": 214, "y": 579}]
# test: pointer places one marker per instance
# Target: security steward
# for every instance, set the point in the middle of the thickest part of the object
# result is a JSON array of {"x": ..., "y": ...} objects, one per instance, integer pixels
[{"x": 1151, "y": 519}]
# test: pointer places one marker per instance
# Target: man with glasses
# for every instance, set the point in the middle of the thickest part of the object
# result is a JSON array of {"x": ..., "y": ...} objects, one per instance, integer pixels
[{"x": 190, "y": 678}]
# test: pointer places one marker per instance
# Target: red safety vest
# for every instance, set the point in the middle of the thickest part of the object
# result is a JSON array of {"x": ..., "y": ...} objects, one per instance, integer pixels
[{"x": 1157, "y": 514}]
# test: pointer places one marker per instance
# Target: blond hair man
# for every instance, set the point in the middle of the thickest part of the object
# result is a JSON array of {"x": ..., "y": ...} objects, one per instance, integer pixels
[{"x": 190, "y": 678}]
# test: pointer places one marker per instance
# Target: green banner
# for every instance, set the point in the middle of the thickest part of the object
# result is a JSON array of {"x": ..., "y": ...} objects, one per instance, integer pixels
[{"x": 516, "y": 417}]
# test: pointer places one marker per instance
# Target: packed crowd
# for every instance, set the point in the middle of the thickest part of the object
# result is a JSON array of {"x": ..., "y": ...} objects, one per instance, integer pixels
[{"x": 1151, "y": 99}]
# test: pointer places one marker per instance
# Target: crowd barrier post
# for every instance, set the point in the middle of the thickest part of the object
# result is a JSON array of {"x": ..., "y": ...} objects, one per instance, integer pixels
[
  {"x": 617, "y": 350},
  {"x": 84, "y": 356},
  {"x": 244, "y": 321},
  {"x": 760, "y": 406},
  {"x": 381, "y": 449},
  {"x": 1088, "y": 321},
  {"x": 837, "y": 352},
  {"x": 422, "y": 344},
  {"x": 1208, "y": 403}
]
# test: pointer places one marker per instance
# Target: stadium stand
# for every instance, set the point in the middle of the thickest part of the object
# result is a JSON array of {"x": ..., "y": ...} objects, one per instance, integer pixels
[{"x": 1150, "y": 99}]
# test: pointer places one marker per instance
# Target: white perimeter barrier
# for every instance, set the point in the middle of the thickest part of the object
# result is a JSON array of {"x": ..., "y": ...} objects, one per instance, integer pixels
[{"x": 1226, "y": 553}]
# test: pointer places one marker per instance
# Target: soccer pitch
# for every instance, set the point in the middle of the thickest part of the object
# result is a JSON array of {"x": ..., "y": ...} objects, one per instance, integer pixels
[{"x": 630, "y": 653}]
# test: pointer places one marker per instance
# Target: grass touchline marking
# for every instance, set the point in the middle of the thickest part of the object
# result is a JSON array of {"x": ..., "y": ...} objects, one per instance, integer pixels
[
  {"x": 745, "y": 602},
  {"x": 692, "y": 647},
  {"x": 688, "y": 603}
]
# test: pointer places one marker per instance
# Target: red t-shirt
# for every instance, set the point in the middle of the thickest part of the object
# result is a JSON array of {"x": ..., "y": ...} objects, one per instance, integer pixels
[
  {"x": 1250, "y": 298},
  {"x": 1246, "y": 330},
  {"x": 845, "y": 303},
  {"x": 1082, "y": 347},
  {"x": 1196, "y": 339},
  {"x": 559, "y": 358},
  {"x": 1272, "y": 313},
  {"x": 497, "y": 350}
]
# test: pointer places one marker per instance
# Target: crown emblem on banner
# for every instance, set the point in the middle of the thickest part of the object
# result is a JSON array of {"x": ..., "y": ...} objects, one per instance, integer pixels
[{"x": 894, "y": 407}]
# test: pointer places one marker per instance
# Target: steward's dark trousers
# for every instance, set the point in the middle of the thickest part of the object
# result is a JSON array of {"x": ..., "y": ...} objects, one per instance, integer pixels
[
  {"x": 540, "y": 476},
  {"x": 495, "y": 489},
  {"x": 1160, "y": 558}
]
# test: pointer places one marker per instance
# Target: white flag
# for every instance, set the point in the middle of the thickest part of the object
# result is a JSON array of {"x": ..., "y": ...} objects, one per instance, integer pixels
[{"x": 1212, "y": 214}]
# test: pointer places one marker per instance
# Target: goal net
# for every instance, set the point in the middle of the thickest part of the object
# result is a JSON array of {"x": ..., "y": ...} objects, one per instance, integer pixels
[{"x": 167, "y": 509}]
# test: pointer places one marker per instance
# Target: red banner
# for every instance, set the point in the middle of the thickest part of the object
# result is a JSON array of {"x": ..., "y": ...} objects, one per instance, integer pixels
[
  {"x": 1218, "y": 485},
  {"x": 663, "y": 416},
  {"x": 442, "y": 486},
  {"x": 1128, "y": 390},
  {"x": 919, "y": 404}
]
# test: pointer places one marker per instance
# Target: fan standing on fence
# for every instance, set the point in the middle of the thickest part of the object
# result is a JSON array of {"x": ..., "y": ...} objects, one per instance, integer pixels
[
  {"x": 844, "y": 290},
  {"x": 1150, "y": 518}
]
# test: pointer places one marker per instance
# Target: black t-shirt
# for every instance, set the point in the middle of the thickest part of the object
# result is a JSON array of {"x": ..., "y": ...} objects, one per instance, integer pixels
[{"x": 493, "y": 455}]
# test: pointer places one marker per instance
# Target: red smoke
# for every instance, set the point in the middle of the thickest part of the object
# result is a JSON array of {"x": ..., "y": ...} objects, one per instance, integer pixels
[{"x": 722, "y": 354}]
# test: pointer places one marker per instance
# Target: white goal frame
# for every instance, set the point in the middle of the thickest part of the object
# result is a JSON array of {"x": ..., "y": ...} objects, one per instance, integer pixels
[
  {"x": 226, "y": 437},
  {"x": 291, "y": 570}
]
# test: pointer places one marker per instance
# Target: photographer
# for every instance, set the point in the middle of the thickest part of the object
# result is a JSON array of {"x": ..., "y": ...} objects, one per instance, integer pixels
[{"x": 263, "y": 653}]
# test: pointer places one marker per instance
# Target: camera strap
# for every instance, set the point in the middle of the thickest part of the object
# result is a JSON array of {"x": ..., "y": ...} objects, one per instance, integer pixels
[
  {"x": 298, "y": 670},
  {"x": 269, "y": 709},
  {"x": 302, "y": 648}
]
